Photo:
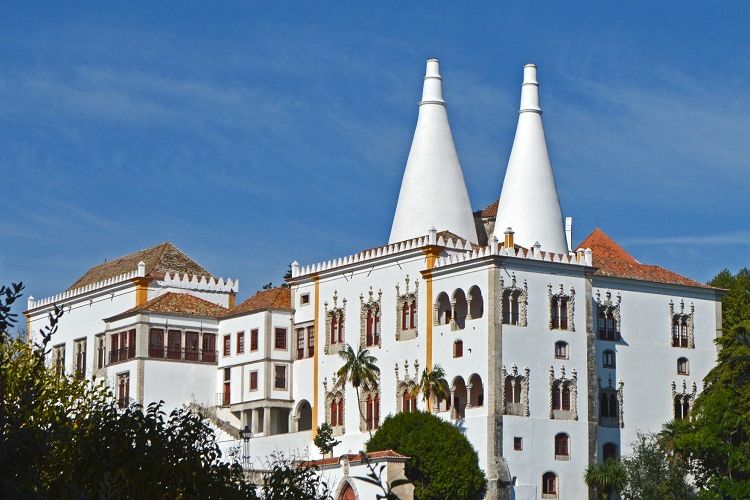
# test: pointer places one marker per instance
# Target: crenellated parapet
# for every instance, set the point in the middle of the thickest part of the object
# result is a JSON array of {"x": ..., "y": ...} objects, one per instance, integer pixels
[
  {"x": 77, "y": 292},
  {"x": 199, "y": 283}
]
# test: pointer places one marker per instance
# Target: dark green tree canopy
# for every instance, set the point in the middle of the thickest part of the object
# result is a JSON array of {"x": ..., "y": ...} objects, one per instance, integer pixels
[{"x": 443, "y": 463}]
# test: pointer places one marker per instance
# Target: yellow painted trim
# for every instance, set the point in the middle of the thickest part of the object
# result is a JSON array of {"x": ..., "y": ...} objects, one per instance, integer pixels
[
  {"x": 141, "y": 291},
  {"x": 232, "y": 300},
  {"x": 316, "y": 325},
  {"x": 432, "y": 254}
]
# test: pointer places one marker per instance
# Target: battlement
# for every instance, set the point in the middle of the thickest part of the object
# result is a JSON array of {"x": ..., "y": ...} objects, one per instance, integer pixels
[
  {"x": 199, "y": 283},
  {"x": 463, "y": 251},
  {"x": 76, "y": 292}
]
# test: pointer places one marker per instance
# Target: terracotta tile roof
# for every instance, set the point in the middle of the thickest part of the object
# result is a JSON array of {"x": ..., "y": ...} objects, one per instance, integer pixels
[
  {"x": 373, "y": 455},
  {"x": 612, "y": 260},
  {"x": 275, "y": 298},
  {"x": 179, "y": 303},
  {"x": 488, "y": 211},
  {"x": 159, "y": 259}
]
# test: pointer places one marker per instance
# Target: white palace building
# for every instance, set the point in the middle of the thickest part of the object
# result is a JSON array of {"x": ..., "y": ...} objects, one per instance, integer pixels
[{"x": 555, "y": 354}]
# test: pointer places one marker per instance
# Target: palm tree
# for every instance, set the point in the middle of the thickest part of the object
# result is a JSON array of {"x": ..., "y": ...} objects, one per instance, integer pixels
[
  {"x": 606, "y": 478},
  {"x": 432, "y": 384},
  {"x": 359, "y": 369}
]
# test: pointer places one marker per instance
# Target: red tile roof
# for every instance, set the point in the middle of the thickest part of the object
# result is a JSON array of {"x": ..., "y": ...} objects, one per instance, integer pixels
[
  {"x": 488, "y": 211},
  {"x": 179, "y": 303},
  {"x": 275, "y": 298},
  {"x": 373, "y": 455},
  {"x": 611, "y": 259},
  {"x": 159, "y": 259}
]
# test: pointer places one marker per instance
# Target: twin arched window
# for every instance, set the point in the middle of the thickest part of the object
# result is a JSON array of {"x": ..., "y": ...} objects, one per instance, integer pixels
[
  {"x": 606, "y": 326},
  {"x": 679, "y": 330}
]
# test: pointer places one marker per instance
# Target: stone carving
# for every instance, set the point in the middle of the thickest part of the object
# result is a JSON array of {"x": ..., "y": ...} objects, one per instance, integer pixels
[
  {"x": 333, "y": 346},
  {"x": 683, "y": 319},
  {"x": 608, "y": 308},
  {"x": 557, "y": 387},
  {"x": 516, "y": 403},
  {"x": 335, "y": 395},
  {"x": 570, "y": 308},
  {"x": 610, "y": 391},
  {"x": 373, "y": 307},
  {"x": 405, "y": 384},
  {"x": 514, "y": 294},
  {"x": 407, "y": 299}
]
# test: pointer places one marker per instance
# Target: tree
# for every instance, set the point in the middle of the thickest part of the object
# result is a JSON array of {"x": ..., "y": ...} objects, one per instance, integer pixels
[
  {"x": 651, "y": 473},
  {"x": 606, "y": 478},
  {"x": 442, "y": 462},
  {"x": 64, "y": 437},
  {"x": 324, "y": 439},
  {"x": 432, "y": 384},
  {"x": 736, "y": 303},
  {"x": 360, "y": 369}
]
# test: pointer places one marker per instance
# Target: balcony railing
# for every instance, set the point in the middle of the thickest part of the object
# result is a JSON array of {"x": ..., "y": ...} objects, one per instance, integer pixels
[
  {"x": 222, "y": 399},
  {"x": 188, "y": 354},
  {"x": 124, "y": 354}
]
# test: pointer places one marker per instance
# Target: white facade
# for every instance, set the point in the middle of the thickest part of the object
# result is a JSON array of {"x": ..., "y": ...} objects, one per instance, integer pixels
[{"x": 553, "y": 359}]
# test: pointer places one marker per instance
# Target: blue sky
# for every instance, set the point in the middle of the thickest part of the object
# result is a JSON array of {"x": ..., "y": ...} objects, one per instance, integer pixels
[{"x": 252, "y": 135}]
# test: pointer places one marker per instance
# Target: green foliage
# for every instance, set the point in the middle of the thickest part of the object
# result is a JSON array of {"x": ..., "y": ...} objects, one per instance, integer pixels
[
  {"x": 64, "y": 437},
  {"x": 652, "y": 472},
  {"x": 443, "y": 463},
  {"x": 324, "y": 439},
  {"x": 360, "y": 369},
  {"x": 736, "y": 303},
  {"x": 432, "y": 384},
  {"x": 607, "y": 478}
]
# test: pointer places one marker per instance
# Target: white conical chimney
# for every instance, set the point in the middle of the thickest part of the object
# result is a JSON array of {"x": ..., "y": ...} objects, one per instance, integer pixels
[
  {"x": 528, "y": 200},
  {"x": 433, "y": 192}
]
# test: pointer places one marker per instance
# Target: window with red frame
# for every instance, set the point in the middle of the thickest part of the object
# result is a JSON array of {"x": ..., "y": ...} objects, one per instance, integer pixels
[
  {"x": 561, "y": 445},
  {"x": 310, "y": 341},
  {"x": 254, "y": 339},
  {"x": 279, "y": 380},
  {"x": 300, "y": 343},
  {"x": 280, "y": 338},
  {"x": 254, "y": 381},
  {"x": 227, "y": 345},
  {"x": 240, "y": 342},
  {"x": 372, "y": 412},
  {"x": 458, "y": 348},
  {"x": 337, "y": 413}
]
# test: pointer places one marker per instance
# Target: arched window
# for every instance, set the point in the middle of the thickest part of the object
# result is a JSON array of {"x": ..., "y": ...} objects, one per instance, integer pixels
[
  {"x": 608, "y": 358},
  {"x": 476, "y": 303},
  {"x": 413, "y": 314},
  {"x": 609, "y": 451},
  {"x": 458, "y": 348},
  {"x": 561, "y": 350},
  {"x": 549, "y": 485},
  {"x": 476, "y": 394},
  {"x": 460, "y": 397},
  {"x": 443, "y": 305},
  {"x": 606, "y": 325},
  {"x": 347, "y": 492},
  {"x": 680, "y": 330},
  {"x": 608, "y": 410},
  {"x": 559, "y": 308},
  {"x": 560, "y": 396},
  {"x": 460, "y": 308},
  {"x": 336, "y": 410},
  {"x": 304, "y": 416},
  {"x": 682, "y": 366},
  {"x": 405, "y": 316},
  {"x": 562, "y": 446},
  {"x": 372, "y": 326},
  {"x": 408, "y": 402},
  {"x": 511, "y": 307},
  {"x": 681, "y": 407}
]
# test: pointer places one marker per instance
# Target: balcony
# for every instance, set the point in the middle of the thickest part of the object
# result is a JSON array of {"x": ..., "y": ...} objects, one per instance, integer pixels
[
  {"x": 117, "y": 355},
  {"x": 180, "y": 354}
]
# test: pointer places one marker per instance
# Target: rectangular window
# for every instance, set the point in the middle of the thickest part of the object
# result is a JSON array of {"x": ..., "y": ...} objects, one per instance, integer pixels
[
  {"x": 174, "y": 344},
  {"x": 280, "y": 338},
  {"x": 240, "y": 342},
  {"x": 156, "y": 343},
  {"x": 310, "y": 341},
  {"x": 304, "y": 299},
  {"x": 518, "y": 443},
  {"x": 279, "y": 379},
  {"x": 458, "y": 349},
  {"x": 191, "y": 345},
  {"x": 300, "y": 343},
  {"x": 254, "y": 339},
  {"x": 254, "y": 381},
  {"x": 226, "y": 395},
  {"x": 227, "y": 345},
  {"x": 209, "y": 348},
  {"x": 114, "y": 348}
]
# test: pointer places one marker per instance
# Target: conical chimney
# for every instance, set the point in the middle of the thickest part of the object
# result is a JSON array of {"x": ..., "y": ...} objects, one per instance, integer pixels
[
  {"x": 528, "y": 200},
  {"x": 433, "y": 192}
]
